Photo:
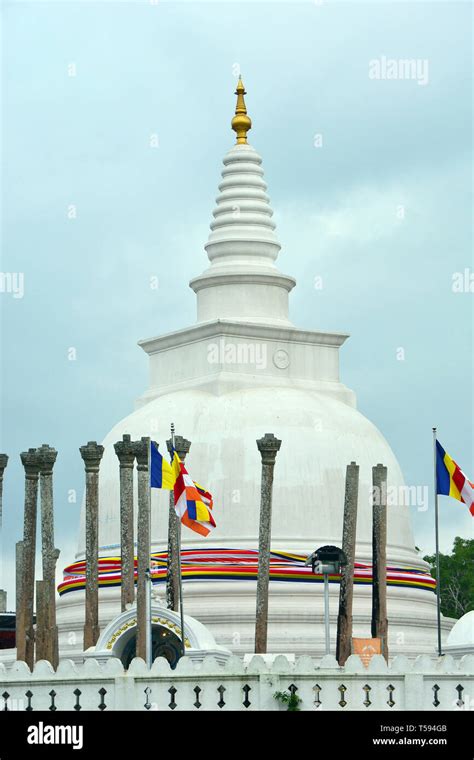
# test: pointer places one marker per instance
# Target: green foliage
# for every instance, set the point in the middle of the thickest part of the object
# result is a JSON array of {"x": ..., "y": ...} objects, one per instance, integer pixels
[
  {"x": 289, "y": 698},
  {"x": 457, "y": 578}
]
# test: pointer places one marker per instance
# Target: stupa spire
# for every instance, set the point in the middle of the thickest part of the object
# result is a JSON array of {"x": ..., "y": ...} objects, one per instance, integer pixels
[
  {"x": 242, "y": 282},
  {"x": 241, "y": 123}
]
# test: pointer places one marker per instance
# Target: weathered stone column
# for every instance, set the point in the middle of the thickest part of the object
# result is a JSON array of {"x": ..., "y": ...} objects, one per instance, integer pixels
[
  {"x": 379, "y": 556},
  {"x": 50, "y": 556},
  {"x": 346, "y": 588},
  {"x": 3, "y": 464},
  {"x": 19, "y": 623},
  {"x": 182, "y": 446},
  {"x": 3, "y": 600},
  {"x": 42, "y": 620},
  {"x": 25, "y": 631},
  {"x": 142, "y": 449},
  {"x": 268, "y": 447},
  {"x": 126, "y": 455},
  {"x": 92, "y": 454}
]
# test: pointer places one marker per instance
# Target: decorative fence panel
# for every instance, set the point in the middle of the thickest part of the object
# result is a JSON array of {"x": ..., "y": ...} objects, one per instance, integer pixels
[{"x": 423, "y": 684}]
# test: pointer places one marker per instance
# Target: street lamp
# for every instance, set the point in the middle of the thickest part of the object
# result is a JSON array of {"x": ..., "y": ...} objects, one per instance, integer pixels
[{"x": 327, "y": 560}]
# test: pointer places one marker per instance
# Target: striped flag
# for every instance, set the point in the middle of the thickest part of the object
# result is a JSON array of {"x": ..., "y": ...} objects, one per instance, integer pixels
[
  {"x": 161, "y": 472},
  {"x": 205, "y": 495},
  {"x": 193, "y": 504},
  {"x": 451, "y": 481}
]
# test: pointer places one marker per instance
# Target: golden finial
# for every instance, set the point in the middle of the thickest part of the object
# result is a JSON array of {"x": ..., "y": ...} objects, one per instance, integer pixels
[{"x": 241, "y": 123}]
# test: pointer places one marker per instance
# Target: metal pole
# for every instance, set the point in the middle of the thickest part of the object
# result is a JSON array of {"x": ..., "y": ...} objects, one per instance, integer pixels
[
  {"x": 326, "y": 612},
  {"x": 438, "y": 579}
]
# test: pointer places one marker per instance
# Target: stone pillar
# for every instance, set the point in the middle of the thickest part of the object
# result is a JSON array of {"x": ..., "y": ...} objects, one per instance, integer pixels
[
  {"x": 3, "y": 600},
  {"x": 142, "y": 449},
  {"x": 268, "y": 447},
  {"x": 25, "y": 631},
  {"x": 92, "y": 454},
  {"x": 3, "y": 464},
  {"x": 50, "y": 555},
  {"x": 19, "y": 630},
  {"x": 42, "y": 620},
  {"x": 126, "y": 455},
  {"x": 182, "y": 446},
  {"x": 346, "y": 588},
  {"x": 379, "y": 556}
]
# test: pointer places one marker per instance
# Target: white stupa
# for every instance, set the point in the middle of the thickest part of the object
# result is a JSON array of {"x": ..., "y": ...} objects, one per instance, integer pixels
[
  {"x": 241, "y": 371},
  {"x": 461, "y": 636}
]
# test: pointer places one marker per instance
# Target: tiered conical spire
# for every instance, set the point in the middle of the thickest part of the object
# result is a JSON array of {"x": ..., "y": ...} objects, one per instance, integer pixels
[{"x": 242, "y": 282}]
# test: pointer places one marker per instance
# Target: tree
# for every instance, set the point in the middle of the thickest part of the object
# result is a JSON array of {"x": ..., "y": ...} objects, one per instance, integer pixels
[{"x": 457, "y": 578}]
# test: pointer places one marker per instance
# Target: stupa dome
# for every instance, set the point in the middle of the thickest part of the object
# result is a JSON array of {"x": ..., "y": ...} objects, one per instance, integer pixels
[
  {"x": 461, "y": 636},
  {"x": 320, "y": 436}
]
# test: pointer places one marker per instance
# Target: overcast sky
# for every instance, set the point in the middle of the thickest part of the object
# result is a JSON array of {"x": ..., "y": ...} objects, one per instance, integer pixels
[{"x": 370, "y": 179}]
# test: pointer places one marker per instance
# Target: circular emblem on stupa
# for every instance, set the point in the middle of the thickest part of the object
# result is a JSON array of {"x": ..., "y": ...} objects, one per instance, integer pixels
[{"x": 281, "y": 359}]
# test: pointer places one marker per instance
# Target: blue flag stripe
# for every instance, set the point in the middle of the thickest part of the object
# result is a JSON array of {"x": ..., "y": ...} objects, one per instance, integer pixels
[
  {"x": 443, "y": 481},
  {"x": 156, "y": 467}
]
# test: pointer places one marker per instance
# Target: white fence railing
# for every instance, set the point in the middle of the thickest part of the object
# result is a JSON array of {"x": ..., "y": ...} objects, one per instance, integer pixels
[{"x": 423, "y": 684}]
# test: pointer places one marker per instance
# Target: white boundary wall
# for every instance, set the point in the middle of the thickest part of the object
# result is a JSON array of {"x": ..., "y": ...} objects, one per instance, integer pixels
[{"x": 321, "y": 684}]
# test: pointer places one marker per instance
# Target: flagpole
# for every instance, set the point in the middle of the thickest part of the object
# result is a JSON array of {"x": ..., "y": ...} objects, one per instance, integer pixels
[
  {"x": 180, "y": 577},
  {"x": 438, "y": 579},
  {"x": 149, "y": 637}
]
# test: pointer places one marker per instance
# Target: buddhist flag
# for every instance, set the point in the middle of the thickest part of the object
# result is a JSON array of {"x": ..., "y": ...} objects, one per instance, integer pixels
[
  {"x": 206, "y": 497},
  {"x": 451, "y": 481},
  {"x": 192, "y": 502},
  {"x": 161, "y": 472}
]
